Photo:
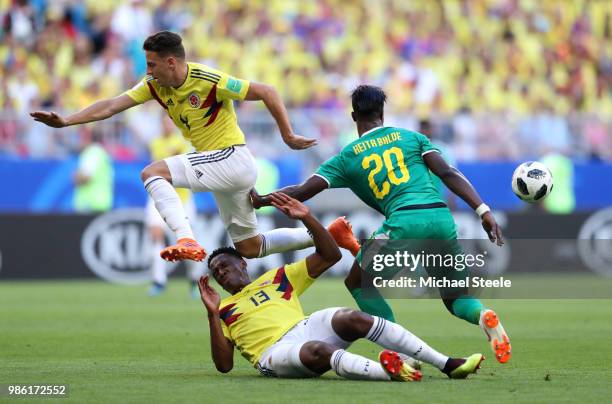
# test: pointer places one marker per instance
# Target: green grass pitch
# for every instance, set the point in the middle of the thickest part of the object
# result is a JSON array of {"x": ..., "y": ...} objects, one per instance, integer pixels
[{"x": 114, "y": 344}]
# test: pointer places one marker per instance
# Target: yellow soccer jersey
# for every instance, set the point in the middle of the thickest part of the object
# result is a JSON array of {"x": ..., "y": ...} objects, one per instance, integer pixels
[
  {"x": 257, "y": 316},
  {"x": 202, "y": 107},
  {"x": 162, "y": 147}
]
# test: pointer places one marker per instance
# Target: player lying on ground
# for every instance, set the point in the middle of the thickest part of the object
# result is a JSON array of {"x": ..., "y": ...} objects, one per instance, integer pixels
[
  {"x": 265, "y": 321},
  {"x": 199, "y": 100},
  {"x": 389, "y": 169}
]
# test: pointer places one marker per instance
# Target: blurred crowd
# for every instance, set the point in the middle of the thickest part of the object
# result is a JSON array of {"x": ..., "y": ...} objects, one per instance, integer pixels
[{"x": 500, "y": 79}]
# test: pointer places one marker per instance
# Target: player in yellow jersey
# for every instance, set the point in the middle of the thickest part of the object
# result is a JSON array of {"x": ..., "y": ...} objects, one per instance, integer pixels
[
  {"x": 169, "y": 143},
  {"x": 199, "y": 99},
  {"x": 264, "y": 320}
]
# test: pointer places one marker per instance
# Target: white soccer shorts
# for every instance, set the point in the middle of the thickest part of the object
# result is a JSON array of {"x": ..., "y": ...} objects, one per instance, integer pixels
[
  {"x": 229, "y": 174},
  {"x": 283, "y": 358}
]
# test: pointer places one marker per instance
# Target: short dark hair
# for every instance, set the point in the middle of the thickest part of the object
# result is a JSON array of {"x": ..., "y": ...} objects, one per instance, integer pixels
[
  {"x": 368, "y": 102},
  {"x": 224, "y": 250},
  {"x": 424, "y": 125},
  {"x": 165, "y": 43}
]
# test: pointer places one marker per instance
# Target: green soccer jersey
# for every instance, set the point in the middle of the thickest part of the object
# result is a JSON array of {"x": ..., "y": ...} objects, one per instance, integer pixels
[{"x": 385, "y": 169}]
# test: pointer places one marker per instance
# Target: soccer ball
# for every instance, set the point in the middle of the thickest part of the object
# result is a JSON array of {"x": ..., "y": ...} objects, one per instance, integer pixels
[{"x": 532, "y": 181}]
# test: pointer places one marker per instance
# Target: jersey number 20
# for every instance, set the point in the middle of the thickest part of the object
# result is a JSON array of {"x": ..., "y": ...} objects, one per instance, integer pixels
[{"x": 385, "y": 187}]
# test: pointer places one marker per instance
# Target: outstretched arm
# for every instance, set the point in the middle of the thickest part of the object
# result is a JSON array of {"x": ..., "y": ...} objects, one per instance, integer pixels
[
  {"x": 326, "y": 252},
  {"x": 459, "y": 185},
  {"x": 221, "y": 348},
  {"x": 95, "y": 112},
  {"x": 269, "y": 96},
  {"x": 302, "y": 192}
]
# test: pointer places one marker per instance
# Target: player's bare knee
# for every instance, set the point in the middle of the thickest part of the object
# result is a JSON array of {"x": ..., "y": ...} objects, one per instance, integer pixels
[
  {"x": 148, "y": 172},
  {"x": 249, "y": 248},
  {"x": 351, "y": 325},
  {"x": 315, "y": 355},
  {"x": 247, "y": 251},
  {"x": 321, "y": 350},
  {"x": 361, "y": 322},
  {"x": 158, "y": 168},
  {"x": 341, "y": 318}
]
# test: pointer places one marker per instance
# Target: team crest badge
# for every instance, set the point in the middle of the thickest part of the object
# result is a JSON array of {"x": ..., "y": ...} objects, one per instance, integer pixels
[{"x": 194, "y": 100}]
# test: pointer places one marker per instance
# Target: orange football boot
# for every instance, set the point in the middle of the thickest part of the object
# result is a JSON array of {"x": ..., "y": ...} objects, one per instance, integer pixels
[
  {"x": 500, "y": 343},
  {"x": 342, "y": 231},
  {"x": 185, "y": 249},
  {"x": 395, "y": 367}
]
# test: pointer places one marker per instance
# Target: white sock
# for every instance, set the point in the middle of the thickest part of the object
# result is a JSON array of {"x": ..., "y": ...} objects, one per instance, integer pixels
[
  {"x": 158, "y": 265},
  {"x": 356, "y": 367},
  {"x": 285, "y": 239},
  {"x": 395, "y": 337},
  {"x": 169, "y": 206}
]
